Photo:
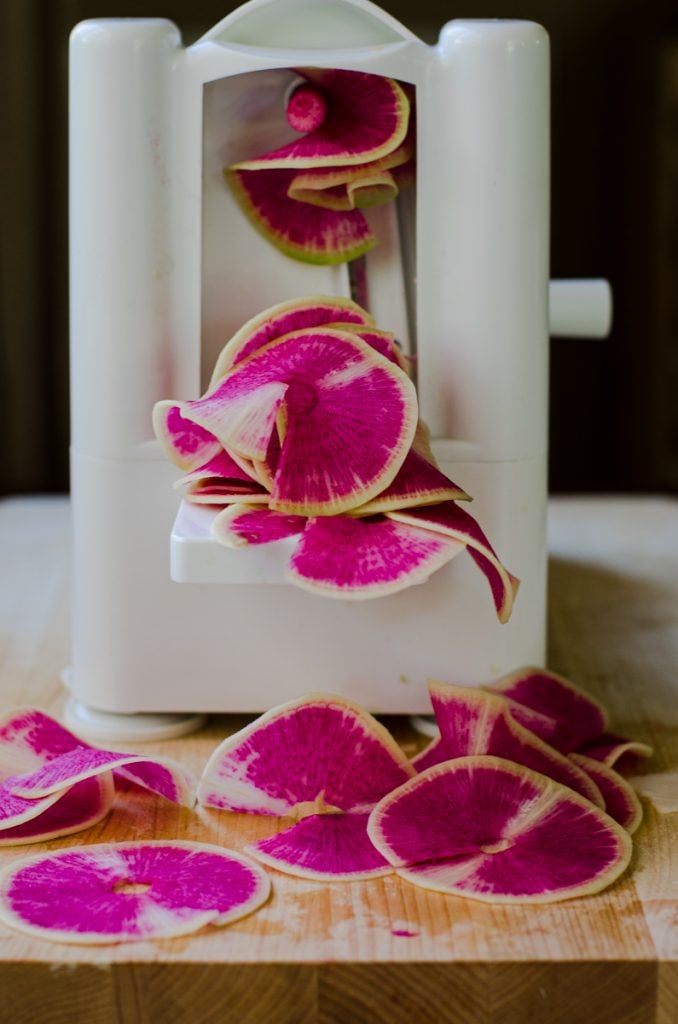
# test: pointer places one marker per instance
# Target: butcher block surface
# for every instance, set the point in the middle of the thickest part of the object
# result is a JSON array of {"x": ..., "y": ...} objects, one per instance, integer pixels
[{"x": 382, "y": 950}]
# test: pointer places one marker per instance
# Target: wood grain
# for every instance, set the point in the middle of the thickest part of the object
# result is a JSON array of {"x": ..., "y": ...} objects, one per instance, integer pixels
[{"x": 384, "y": 950}]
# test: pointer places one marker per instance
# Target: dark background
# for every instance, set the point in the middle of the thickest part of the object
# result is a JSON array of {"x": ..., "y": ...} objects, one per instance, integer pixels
[{"x": 614, "y": 403}]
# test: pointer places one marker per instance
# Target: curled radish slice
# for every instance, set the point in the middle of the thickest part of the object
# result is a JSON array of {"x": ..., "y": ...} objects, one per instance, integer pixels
[
  {"x": 452, "y": 521},
  {"x": 367, "y": 118},
  {"x": 580, "y": 717},
  {"x": 621, "y": 800},
  {"x": 474, "y": 722},
  {"x": 310, "y": 234},
  {"x": 163, "y": 776},
  {"x": 188, "y": 445},
  {"x": 129, "y": 891},
  {"x": 613, "y": 750},
  {"x": 80, "y": 807},
  {"x": 488, "y": 829}
]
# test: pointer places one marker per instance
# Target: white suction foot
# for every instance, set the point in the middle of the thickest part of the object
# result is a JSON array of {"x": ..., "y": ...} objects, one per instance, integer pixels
[{"x": 109, "y": 726}]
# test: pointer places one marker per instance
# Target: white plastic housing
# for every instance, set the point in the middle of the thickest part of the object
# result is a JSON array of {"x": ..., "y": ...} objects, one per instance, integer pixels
[{"x": 163, "y": 265}]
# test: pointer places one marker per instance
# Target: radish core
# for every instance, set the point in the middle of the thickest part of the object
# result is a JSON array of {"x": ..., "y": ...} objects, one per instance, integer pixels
[{"x": 306, "y": 109}]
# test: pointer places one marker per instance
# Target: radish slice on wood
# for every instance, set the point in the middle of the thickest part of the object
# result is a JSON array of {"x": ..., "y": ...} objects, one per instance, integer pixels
[
  {"x": 80, "y": 807},
  {"x": 475, "y": 722},
  {"x": 613, "y": 750},
  {"x": 621, "y": 800},
  {"x": 129, "y": 891},
  {"x": 581, "y": 717},
  {"x": 330, "y": 847},
  {"x": 314, "y": 760},
  {"x": 160, "y": 775},
  {"x": 491, "y": 830}
]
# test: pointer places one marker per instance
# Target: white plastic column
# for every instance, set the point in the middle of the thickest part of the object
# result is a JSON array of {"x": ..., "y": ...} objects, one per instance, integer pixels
[
  {"x": 483, "y": 238},
  {"x": 120, "y": 230}
]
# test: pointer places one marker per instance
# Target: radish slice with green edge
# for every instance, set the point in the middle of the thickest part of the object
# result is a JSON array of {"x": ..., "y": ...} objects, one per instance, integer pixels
[
  {"x": 473, "y": 722},
  {"x": 367, "y": 118},
  {"x": 160, "y": 775},
  {"x": 358, "y": 559},
  {"x": 488, "y": 829},
  {"x": 363, "y": 189},
  {"x": 611, "y": 749},
  {"x": 449, "y": 519},
  {"x": 239, "y": 526},
  {"x": 122, "y": 892},
  {"x": 621, "y": 800},
  {"x": 341, "y": 399},
  {"x": 306, "y": 233},
  {"x": 313, "y": 760},
  {"x": 582, "y": 718},
  {"x": 417, "y": 483},
  {"x": 343, "y": 188},
  {"x": 328, "y": 847},
  {"x": 80, "y": 807},
  {"x": 284, "y": 318}
]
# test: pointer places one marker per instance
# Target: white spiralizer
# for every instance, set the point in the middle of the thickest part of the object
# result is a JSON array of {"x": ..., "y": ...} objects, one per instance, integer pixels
[{"x": 165, "y": 268}]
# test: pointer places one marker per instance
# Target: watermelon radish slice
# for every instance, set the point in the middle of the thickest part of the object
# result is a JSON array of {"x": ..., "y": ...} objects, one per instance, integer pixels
[
  {"x": 284, "y": 318},
  {"x": 238, "y": 526},
  {"x": 221, "y": 466},
  {"x": 364, "y": 188},
  {"x": 216, "y": 491},
  {"x": 611, "y": 749},
  {"x": 343, "y": 188},
  {"x": 340, "y": 397},
  {"x": 580, "y": 717},
  {"x": 490, "y": 830},
  {"x": 447, "y": 518},
  {"x": 343, "y": 556},
  {"x": 185, "y": 443},
  {"x": 306, "y": 233},
  {"x": 474, "y": 722},
  {"x": 367, "y": 118},
  {"x": 129, "y": 891},
  {"x": 80, "y": 807},
  {"x": 621, "y": 800},
  {"x": 313, "y": 760},
  {"x": 162, "y": 776},
  {"x": 417, "y": 483},
  {"x": 330, "y": 847}
]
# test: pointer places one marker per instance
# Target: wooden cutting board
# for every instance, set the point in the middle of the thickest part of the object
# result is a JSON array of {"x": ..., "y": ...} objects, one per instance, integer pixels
[{"x": 384, "y": 951}]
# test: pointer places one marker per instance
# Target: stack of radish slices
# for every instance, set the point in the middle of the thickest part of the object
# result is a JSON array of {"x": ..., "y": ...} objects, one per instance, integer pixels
[
  {"x": 310, "y": 429},
  {"x": 517, "y": 801}
]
